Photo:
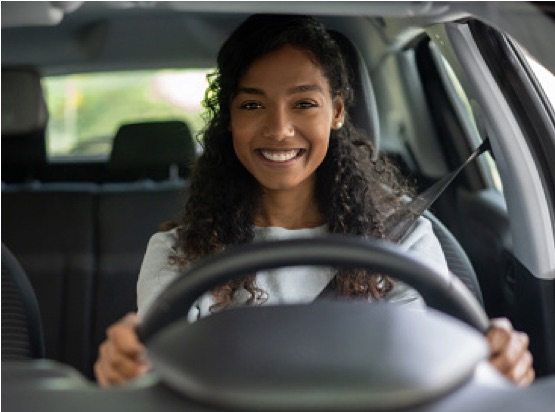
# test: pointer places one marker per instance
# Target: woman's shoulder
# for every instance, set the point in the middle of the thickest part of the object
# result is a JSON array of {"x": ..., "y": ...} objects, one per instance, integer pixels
[
  {"x": 423, "y": 242},
  {"x": 421, "y": 231},
  {"x": 163, "y": 240},
  {"x": 156, "y": 270}
]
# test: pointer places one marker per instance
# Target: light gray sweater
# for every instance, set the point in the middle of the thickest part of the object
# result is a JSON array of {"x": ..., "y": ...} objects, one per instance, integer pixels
[{"x": 285, "y": 285}]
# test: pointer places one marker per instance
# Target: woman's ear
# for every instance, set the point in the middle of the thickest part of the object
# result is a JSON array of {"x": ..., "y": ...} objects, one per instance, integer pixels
[{"x": 338, "y": 112}]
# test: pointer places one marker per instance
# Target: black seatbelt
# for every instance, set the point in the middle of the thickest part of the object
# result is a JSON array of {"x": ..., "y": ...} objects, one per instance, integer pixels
[{"x": 409, "y": 213}]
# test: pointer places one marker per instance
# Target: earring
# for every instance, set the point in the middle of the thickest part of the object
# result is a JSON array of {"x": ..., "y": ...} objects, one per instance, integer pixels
[{"x": 338, "y": 125}]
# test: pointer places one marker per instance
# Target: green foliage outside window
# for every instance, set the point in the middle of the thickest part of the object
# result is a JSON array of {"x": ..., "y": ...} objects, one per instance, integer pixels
[{"x": 86, "y": 110}]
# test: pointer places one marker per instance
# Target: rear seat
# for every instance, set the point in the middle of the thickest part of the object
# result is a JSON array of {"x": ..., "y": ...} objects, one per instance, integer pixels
[
  {"x": 82, "y": 244},
  {"x": 24, "y": 117},
  {"x": 138, "y": 152},
  {"x": 50, "y": 230}
]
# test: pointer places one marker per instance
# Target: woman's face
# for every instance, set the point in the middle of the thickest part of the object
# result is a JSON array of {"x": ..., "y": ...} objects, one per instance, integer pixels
[{"x": 281, "y": 119}]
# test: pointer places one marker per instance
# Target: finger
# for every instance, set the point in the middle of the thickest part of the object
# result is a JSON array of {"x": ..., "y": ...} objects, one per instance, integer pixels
[
  {"x": 127, "y": 366},
  {"x": 114, "y": 368},
  {"x": 498, "y": 338},
  {"x": 99, "y": 374},
  {"x": 106, "y": 376},
  {"x": 121, "y": 357},
  {"x": 131, "y": 319},
  {"x": 502, "y": 323},
  {"x": 508, "y": 358},
  {"x": 124, "y": 336},
  {"x": 528, "y": 378},
  {"x": 522, "y": 368}
]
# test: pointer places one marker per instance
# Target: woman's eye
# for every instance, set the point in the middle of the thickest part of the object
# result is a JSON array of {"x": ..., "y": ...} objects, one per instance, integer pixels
[
  {"x": 305, "y": 104},
  {"x": 250, "y": 105}
]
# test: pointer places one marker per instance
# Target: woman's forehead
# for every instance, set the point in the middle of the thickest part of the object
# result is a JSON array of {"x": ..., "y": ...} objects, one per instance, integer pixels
[{"x": 287, "y": 67}]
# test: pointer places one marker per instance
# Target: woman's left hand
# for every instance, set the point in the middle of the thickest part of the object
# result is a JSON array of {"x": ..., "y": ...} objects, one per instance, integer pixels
[{"x": 509, "y": 352}]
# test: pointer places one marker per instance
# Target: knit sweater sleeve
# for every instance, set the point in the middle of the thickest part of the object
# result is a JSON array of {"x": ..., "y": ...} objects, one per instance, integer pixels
[{"x": 156, "y": 271}]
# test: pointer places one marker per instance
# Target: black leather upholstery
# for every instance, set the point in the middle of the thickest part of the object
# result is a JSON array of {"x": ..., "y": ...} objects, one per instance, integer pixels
[
  {"x": 82, "y": 244},
  {"x": 24, "y": 119},
  {"x": 22, "y": 336},
  {"x": 457, "y": 259},
  {"x": 159, "y": 150},
  {"x": 82, "y": 247},
  {"x": 50, "y": 229}
]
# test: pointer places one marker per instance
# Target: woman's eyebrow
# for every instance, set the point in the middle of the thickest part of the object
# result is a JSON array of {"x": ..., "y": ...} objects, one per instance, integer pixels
[
  {"x": 250, "y": 90},
  {"x": 292, "y": 90},
  {"x": 305, "y": 88}
]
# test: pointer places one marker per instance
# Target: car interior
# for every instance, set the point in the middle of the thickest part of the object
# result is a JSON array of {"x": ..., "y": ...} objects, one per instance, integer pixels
[{"x": 427, "y": 81}]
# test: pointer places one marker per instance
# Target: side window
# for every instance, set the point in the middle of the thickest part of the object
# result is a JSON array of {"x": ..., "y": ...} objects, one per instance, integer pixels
[
  {"x": 464, "y": 108},
  {"x": 545, "y": 78},
  {"x": 86, "y": 110}
]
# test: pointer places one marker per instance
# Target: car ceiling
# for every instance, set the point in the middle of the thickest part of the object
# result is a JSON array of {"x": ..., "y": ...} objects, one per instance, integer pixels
[{"x": 69, "y": 37}]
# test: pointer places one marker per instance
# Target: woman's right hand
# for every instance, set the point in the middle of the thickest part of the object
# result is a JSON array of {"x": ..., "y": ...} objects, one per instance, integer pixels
[{"x": 121, "y": 357}]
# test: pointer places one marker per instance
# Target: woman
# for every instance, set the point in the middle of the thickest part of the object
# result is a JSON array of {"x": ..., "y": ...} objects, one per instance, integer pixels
[{"x": 281, "y": 159}]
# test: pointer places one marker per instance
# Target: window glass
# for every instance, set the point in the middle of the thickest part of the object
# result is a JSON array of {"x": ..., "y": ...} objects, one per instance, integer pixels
[
  {"x": 86, "y": 110},
  {"x": 545, "y": 78}
]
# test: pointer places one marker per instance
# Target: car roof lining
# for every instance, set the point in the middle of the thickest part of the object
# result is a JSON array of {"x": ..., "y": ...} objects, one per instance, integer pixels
[{"x": 87, "y": 26}]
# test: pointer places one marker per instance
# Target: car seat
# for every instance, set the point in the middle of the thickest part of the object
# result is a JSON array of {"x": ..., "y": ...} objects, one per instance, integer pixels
[
  {"x": 363, "y": 112},
  {"x": 24, "y": 119},
  {"x": 22, "y": 336},
  {"x": 138, "y": 153},
  {"x": 364, "y": 115}
]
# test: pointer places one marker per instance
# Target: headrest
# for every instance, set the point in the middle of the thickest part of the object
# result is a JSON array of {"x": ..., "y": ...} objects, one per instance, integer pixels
[
  {"x": 151, "y": 150},
  {"x": 24, "y": 119},
  {"x": 364, "y": 111},
  {"x": 23, "y": 106}
]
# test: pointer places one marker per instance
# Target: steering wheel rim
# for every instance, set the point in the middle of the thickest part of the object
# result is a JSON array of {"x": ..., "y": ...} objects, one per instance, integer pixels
[{"x": 446, "y": 294}]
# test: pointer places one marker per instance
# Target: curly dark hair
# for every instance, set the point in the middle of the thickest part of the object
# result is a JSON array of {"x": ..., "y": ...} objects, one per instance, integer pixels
[{"x": 354, "y": 193}]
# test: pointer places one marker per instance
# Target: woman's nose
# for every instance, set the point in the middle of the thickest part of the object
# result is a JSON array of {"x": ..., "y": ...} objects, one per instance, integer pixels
[{"x": 278, "y": 125}]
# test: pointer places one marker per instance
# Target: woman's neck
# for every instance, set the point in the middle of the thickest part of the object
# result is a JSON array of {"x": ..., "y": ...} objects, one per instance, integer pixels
[{"x": 291, "y": 209}]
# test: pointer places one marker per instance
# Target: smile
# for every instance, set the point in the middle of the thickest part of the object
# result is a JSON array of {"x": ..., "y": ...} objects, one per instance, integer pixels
[{"x": 280, "y": 155}]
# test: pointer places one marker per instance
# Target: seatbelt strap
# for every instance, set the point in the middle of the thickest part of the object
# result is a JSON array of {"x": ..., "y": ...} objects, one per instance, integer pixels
[{"x": 409, "y": 213}]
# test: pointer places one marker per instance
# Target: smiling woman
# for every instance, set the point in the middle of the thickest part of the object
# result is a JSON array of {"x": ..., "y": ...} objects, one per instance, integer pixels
[
  {"x": 419, "y": 77},
  {"x": 294, "y": 169}
]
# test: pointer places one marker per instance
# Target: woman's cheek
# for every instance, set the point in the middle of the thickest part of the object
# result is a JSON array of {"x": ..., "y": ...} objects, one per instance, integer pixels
[{"x": 243, "y": 125}]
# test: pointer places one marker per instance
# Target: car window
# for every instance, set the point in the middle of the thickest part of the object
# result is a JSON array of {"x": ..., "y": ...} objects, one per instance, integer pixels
[
  {"x": 545, "y": 78},
  {"x": 86, "y": 110}
]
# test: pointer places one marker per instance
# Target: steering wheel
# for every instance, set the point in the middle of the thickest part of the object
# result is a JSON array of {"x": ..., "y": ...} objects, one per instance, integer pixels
[
  {"x": 323, "y": 356},
  {"x": 448, "y": 295}
]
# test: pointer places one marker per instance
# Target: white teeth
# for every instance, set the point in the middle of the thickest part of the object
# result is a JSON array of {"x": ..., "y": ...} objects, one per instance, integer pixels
[{"x": 279, "y": 156}]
